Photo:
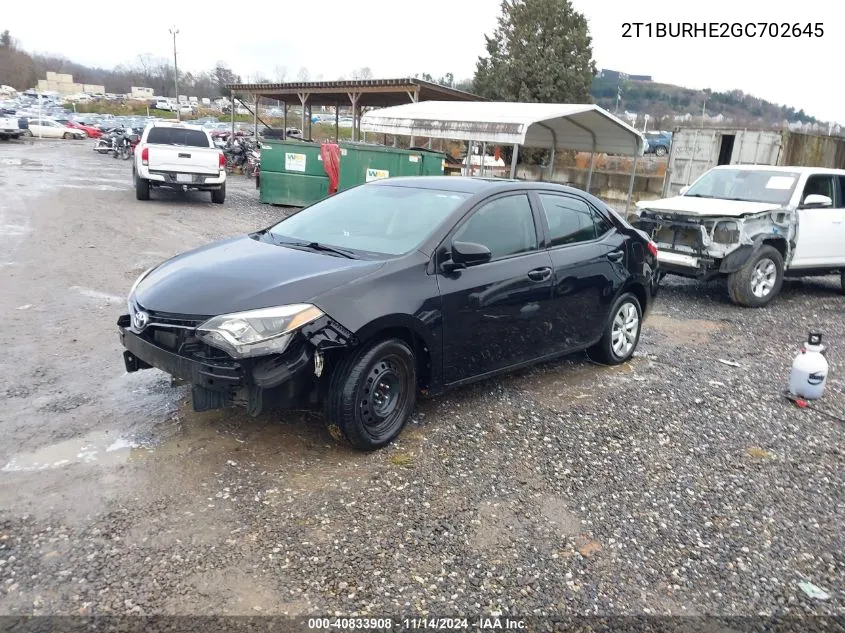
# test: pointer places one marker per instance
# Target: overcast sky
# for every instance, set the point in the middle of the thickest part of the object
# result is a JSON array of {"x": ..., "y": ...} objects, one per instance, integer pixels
[{"x": 403, "y": 37}]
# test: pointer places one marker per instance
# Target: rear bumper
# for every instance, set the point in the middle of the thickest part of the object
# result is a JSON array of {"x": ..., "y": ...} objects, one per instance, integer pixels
[
  {"x": 202, "y": 182},
  {"x": 283, "y": 380}
]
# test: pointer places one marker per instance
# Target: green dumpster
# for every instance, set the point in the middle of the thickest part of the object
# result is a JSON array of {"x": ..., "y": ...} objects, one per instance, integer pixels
[
  {"x": 291, "y": 157},
  {"x": 360, "y": 163},
  {"x": 292, "y": 173},
  {"x": 292, "y": 190}
]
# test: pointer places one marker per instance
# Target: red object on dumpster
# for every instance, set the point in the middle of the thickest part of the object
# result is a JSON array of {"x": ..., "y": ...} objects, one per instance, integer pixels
[{"x": 330, "y": 153}]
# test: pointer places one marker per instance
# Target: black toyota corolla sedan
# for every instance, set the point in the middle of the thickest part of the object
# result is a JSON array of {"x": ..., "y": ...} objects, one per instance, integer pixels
[{"x": 396, "y": 288}]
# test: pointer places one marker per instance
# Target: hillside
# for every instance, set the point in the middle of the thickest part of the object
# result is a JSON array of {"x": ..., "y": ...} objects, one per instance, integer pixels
[{"x": 662, "y": 102}]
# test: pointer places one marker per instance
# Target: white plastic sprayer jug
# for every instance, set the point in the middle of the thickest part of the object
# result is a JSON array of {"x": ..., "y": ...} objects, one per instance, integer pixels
[{"x": 809, "y": 370}]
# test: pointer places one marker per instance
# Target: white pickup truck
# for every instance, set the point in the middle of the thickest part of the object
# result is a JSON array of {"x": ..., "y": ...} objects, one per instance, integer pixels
[
  {"x": 755, "y": 224},
  {"x": 12, "y": 127},
  {"x": 178, "y": 156}
]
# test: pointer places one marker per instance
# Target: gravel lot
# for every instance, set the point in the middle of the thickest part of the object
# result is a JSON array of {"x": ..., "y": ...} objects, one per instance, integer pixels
[{"x": 673, "y": 485}]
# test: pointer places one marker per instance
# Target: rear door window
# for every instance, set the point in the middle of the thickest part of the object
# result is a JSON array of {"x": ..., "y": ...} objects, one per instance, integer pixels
[
  {"x": 177, "y": 136},
  {"x": 572, "y": 220}
]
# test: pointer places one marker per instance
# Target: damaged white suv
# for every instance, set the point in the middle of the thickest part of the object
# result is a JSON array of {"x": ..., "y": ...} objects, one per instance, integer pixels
[{"x": 755, "y": 224}]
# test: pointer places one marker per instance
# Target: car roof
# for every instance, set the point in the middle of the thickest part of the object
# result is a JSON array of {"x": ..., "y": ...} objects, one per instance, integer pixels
[
  {"x": 175, "y": 124},
  {"x": 472, "y": 185},
  {"x": 784, "y": 168}
]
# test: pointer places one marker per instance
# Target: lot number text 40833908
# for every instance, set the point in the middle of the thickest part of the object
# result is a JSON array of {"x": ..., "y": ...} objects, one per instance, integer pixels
[{"x": 723, "y": 29}]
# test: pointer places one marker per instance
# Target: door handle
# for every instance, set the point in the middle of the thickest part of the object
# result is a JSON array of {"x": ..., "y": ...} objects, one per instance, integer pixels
[
  {"x": 540, "y": 274},
  {"x": 615, "y": 256}
]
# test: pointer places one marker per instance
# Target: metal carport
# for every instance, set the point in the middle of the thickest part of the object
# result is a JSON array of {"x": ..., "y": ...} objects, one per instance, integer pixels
[
  {"x": 354, "y": 93},
  {"x": 554, "y": 126}
]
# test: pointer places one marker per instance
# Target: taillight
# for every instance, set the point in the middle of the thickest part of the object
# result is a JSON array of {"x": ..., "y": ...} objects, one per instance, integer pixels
[
  {"x": 145, "y": 156},
  {"x": 652, "y": 248},
  {"x": 221, "y": 159}
]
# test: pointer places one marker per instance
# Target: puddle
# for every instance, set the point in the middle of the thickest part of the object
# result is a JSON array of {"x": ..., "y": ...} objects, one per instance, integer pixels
[
  {"x": 97, "y": 187},
  {"x": 96, "y": 449},
  {"x": 96, "y": 294},
  {"x": 121, "y": 181},
  {"x": 14, "y": 230}
]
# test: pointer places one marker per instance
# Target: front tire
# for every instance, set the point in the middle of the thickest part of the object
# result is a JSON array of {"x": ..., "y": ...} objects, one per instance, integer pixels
[
  {"x": 842, "y": 282},
  {"x": 759, "y": 281},
  {"x": 371, "y": 395},
  {"x": 622, "y": 333},
  {"x": 142, "y": 188},
  {"x": 67, "y": 136},
  {"x": 218, "y": 196},
  {"x": 660, "y": 151}
]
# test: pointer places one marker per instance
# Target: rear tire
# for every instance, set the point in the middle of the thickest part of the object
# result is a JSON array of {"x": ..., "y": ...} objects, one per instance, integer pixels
[
  {"x": 842, "y": 282},
  {"x": 660, "y": 151},
  {"x": 218, "y": 196},
  {"x": 371, "y": 394},
  {"x": 622, "y": 333},
  {"x": 759, "y": 281},
  {"x": 142, "y": 188}
]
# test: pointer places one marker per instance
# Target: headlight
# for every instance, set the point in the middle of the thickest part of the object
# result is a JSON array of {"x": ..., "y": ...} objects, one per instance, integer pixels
[
  {"x": 135, "y": 285},
  {"x": 257, "y": 332}
]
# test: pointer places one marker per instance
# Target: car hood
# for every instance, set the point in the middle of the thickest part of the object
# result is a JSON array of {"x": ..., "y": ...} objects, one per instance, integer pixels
[
  {"x": 242, "y": 273},
  {"x": 716, "y": 207}
]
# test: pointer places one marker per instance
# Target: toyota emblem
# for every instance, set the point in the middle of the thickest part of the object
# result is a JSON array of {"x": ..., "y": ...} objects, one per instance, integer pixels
[{"x": 140, "y": 320}]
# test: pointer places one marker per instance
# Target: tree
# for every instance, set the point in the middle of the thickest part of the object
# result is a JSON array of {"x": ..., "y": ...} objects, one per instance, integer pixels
[
  {"x": 540, "y": 52},
  {"x": 303, "y": 74},
  {"x": 223, "y": 76},
  {"x": 279, "y": 73},
  {"x": 6, "y": 39},
  {"x": 362, "y": 73}
]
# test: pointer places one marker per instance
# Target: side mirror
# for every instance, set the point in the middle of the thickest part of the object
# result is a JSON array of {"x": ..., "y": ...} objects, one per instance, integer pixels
[
  {"x": 466, "y": 254},
  {"x": 816, "y": 201},
  {"x": 683, "y": 190}
]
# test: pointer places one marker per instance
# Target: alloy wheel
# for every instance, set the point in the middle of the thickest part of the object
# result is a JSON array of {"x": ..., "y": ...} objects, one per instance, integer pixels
[
  {"x": 626, "y": 327},
  {"x": 763, "y": 277}
]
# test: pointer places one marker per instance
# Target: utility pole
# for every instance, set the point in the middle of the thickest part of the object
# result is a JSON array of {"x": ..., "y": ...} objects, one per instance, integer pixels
[{"x": 174, "y": 32}]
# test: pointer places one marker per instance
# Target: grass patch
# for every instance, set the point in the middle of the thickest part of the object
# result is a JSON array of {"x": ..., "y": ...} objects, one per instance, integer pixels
[
  {"x": 759, "y": 453},
  {"x": 404, "y": 460}
]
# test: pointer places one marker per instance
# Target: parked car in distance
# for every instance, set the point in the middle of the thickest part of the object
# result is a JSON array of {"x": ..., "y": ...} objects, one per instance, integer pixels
[
  {"x": 48, "y": 128},
  {"x": 90, "y": 130},
  {"x": 175, "y": 155},
  {"x": 12, "y": 126},
  {"x": 754, "y": 224},
  {"x": 398, "y": 287},
  {"x": 658, "y": 143},
  {"x": 165, "y": 105}
]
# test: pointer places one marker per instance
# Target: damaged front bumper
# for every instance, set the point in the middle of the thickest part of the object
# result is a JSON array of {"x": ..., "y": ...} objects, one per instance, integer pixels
[
  {"x": 289, "y": 380},
  {"x": 701, "y": 248}
]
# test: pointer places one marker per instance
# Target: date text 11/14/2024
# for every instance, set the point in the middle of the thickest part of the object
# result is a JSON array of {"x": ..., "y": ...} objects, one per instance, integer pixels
[{"x": 482, "y": 623}]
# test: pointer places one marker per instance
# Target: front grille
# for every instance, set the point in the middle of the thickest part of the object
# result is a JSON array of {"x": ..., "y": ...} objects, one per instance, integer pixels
[
  {"x": 167, "y": 319},
  {"x": 177, "y": 333}
]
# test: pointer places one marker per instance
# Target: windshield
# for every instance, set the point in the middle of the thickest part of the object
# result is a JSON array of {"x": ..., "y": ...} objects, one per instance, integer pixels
[
  {"x": 376, "y": 219},
  {"x": 751, "y": 185}
]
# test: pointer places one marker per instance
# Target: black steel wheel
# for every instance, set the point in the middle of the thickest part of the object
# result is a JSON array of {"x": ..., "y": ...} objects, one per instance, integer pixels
[{"x": 372, "y": 394}]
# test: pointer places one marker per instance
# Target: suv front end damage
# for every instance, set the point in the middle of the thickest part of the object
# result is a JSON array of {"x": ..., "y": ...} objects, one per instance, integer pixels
[
  {"x": 704, "y": 247},
  {"x": 178, "y": 345}
]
